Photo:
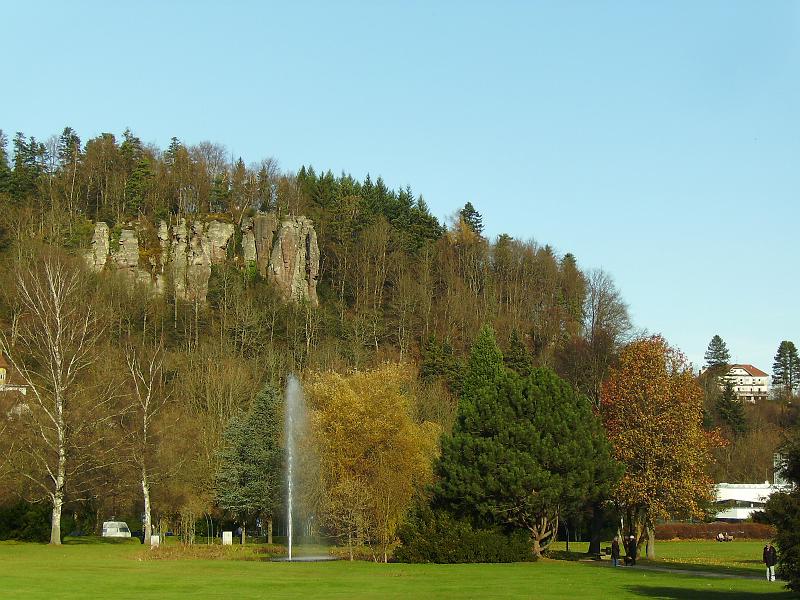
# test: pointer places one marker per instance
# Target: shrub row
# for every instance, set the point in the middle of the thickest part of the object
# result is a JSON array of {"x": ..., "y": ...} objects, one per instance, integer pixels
[
  {"x": 437, "y": 537},
  {"x": 709, "y": 531}
]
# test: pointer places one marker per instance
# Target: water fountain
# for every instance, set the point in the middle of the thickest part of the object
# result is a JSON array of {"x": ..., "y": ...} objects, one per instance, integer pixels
[{"x": 294, "y": 425}]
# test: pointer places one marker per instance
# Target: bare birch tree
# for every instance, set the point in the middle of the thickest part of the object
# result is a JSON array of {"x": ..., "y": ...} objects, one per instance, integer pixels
[
  {"x": 146, "y": 371},
  {"x": 54, "y": 347}
]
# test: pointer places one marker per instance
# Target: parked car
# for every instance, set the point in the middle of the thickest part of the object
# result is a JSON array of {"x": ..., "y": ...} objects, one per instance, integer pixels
[{"x": 118, "y": 529}]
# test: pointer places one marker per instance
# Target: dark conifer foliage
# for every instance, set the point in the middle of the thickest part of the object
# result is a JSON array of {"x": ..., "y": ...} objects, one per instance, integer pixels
[
  {"x": 731, "y": 410},
  {"x": 786, "y": 368},
  {"x": 717, "y": 355}
]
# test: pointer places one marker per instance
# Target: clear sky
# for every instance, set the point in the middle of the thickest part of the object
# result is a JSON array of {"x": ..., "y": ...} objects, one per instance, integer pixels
[{"x": 657, "y": 140}]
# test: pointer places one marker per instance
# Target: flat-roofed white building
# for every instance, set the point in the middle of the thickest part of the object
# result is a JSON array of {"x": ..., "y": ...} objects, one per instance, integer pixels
[
  {"x": 749, "y": 383},
  {"x": 738, "y": 501}
]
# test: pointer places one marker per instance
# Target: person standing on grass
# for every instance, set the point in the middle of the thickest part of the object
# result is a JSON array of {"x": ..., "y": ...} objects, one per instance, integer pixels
[
  {"x": 770, "y": 559},
  {"x": 631, "y": 549},
  {"x": 615, "y": 551}
]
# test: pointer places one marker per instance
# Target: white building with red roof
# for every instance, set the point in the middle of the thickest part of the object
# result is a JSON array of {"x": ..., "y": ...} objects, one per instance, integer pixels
[{"x": 750, "y": 383}]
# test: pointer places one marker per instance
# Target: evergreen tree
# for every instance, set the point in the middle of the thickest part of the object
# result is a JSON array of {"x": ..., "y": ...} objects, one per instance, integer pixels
[
  {"x": 786, "y": 368},
  {"x": 137, "y": 185},
  {"x": 438, "y": 360},
  {"x": 523, "y": 450},
  {"x": 69, "y": 147},
  {"x": 717, "y": 355},
  {"x": 5, "y": 169},
  {"x": 783, "y": 512},
  {"x": 472, "y": 218},
  {"x": 28, "y": 166},
  {"x": 518, "y": 358},
  {"x": 249, "y": 480},
  {"x": 731, "y": 410}
]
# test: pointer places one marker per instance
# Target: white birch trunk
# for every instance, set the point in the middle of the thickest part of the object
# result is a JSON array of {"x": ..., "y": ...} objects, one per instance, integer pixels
[{"x": 148, "y": 524}]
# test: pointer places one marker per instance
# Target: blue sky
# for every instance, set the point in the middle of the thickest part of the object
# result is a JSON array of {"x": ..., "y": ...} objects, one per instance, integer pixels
[{"x": 657, "y": 140}]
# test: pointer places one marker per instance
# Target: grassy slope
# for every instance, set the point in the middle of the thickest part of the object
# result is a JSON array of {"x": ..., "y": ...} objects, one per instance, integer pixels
[{"x": 115, "y": 570}]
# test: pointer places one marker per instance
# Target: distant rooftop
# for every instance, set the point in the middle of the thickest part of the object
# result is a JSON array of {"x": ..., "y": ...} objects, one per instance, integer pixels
[{"x": 753, "y": 371}]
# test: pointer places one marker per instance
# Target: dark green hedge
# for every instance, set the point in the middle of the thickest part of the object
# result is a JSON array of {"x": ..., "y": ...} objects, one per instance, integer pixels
[
  {"x": 25, "y": 521},
  {"x": 437, "y": 537}
]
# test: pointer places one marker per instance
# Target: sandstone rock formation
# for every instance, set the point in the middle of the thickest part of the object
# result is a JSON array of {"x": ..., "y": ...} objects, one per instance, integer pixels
[
  {"x": 287, "y": 255},
  {"x": 294, "y": 263},
  {"x": 98, "y": 255}
]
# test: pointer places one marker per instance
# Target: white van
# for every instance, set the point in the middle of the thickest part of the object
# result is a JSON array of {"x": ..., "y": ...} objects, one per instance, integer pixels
[{"x": 116, "y": 529}]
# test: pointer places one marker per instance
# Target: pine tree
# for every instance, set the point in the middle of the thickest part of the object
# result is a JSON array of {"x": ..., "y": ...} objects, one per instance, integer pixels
[
  {"x": 472, "y": 218},
  {"x": 523, "y": 450},
  {"x": 248, "y": 480},
  {"x": 5, "y": 169},
  {"x": 69, "y": 147},
  {"x": 731, "y": 410},
  {"x": 519, "y": 357},
  {"x": 717, "y": 355},
  {"x": 786, "y": 368}
]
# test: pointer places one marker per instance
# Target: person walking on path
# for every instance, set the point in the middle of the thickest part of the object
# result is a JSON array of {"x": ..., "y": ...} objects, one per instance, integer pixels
[
  {"x": 615, "y": 551},
  {"x": 770, "y": 559}
]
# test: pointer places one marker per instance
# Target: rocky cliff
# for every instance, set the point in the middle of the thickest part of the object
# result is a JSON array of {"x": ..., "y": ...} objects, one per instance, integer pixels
[{"x": 285, "y": 252}]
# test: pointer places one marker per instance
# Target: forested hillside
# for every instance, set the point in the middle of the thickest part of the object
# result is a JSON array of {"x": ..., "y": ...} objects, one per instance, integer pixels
[{"x": 152, "y": 379}]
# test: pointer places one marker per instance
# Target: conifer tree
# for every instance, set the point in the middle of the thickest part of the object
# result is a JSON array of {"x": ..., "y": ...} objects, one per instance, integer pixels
[
  {"x": 731, "y": 410},
  {"x": 717, "y": 355},
  {"x": 248, "y": 480},
  {"x": 472, "y": 218},
  {"x": 5, "y": 170},
  {"x": 523, "y": 450},
  {"x": 783, "y": 512},
  {"x": 786, "y": 368},
  {"x": 518, "y": 358}
]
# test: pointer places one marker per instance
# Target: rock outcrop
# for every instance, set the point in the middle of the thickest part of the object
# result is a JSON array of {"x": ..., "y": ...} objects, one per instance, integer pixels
[
  {"x": 98, "y": 255},
  {"x": 287, "y": 255},
  {"x": 294, "y": 263}
]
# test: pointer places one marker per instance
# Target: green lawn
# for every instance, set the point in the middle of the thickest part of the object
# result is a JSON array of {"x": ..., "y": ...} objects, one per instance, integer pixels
[
  {"x": 740, "y": 557},
  {"x": 122, "y": 570}
]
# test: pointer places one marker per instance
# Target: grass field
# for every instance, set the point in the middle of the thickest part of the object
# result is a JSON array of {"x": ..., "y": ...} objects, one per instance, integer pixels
[
  {"x": 740, "y": 557},
  {"x": 105, "y": 569}
]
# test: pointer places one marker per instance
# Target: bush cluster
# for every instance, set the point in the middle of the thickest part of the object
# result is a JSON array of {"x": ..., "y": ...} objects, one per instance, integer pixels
[
  {"x": 25, "y": 522},
  {"x": 437, "y": 537},
  {"x": 709, "y": 531}
]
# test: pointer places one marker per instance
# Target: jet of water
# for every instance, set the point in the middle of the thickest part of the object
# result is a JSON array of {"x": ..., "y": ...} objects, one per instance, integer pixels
[{"x": 294, "y": 421}]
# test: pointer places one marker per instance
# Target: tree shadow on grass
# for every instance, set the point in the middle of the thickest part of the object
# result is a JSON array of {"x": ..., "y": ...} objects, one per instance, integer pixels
[{"x": 674, "y": 593}]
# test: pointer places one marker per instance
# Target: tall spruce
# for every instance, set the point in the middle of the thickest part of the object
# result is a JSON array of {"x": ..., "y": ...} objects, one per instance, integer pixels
[
  {"x": 5, "y": 169},
  {"x": 249, "y": 477},
  {"x": 786, "y": 368},
  {"x": 523, "y": 450},
  {"x": 731, "y": 410},
  {"x": 717, "y": 355},
  {"x": 472, "y": 218}
]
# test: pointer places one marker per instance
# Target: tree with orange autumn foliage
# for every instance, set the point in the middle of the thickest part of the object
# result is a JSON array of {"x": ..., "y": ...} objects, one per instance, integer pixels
[{"x": 651, "y": 406}]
